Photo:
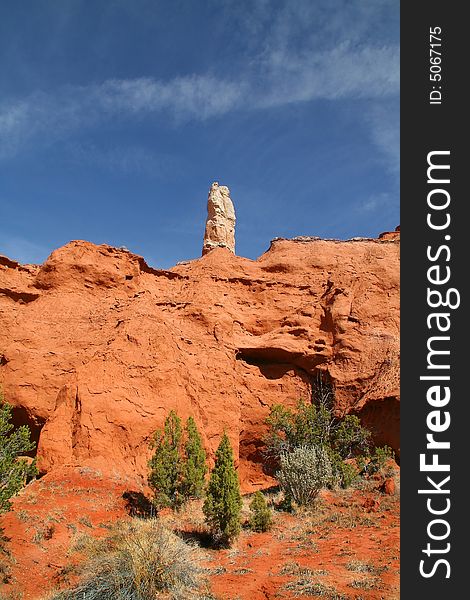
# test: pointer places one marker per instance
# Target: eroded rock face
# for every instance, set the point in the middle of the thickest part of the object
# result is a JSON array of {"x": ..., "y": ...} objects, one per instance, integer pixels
[
  {"x": 220, "y": 223},
  {"x": 96, "y": 347}
]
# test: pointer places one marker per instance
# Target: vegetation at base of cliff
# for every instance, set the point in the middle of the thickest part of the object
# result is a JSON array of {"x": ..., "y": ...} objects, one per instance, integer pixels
[
  {"x": 165, "y": 464},
  {"x": 223, "y": 504},
  {"x": 14, "y": 471},
  {"x": 177, "y": 473},
  {"x": 312, "y": 447},
  {"x": 345, "y": 442},
  {"x": 177, "y": 468}
]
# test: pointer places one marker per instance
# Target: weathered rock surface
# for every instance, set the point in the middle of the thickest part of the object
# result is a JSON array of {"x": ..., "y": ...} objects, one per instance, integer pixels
[
  {"x": 220, "y": 223},
  {"x": 96, "y": 347}
]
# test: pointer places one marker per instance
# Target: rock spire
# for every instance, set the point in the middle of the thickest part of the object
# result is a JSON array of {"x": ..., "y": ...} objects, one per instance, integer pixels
[{"x": 220, "y": 223}]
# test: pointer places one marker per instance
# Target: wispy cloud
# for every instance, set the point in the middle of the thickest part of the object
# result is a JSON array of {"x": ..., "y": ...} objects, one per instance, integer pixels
[
  {"x": 287, "y": 61},
  {"x": 339, "y": 73},
  {"x": 342, "y": 72},
  {"x": 55, "y": 116}
]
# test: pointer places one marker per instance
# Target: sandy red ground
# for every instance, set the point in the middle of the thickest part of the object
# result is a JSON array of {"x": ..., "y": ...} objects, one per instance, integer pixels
[{"x": 348, "y": 548}]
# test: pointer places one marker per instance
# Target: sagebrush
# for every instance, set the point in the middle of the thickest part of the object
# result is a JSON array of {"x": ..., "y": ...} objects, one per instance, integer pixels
[{"x": 304, "y": 472}]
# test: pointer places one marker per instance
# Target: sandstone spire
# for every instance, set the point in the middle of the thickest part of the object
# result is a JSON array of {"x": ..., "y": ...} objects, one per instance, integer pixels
[{"x": 220, "y": 223}]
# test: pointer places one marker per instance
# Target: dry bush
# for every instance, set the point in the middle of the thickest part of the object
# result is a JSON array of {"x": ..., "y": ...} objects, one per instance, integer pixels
[{"x": 139, "y": 560}]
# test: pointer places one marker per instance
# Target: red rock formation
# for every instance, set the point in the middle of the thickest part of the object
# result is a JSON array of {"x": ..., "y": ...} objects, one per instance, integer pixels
[{"x": 96, "y": 347}]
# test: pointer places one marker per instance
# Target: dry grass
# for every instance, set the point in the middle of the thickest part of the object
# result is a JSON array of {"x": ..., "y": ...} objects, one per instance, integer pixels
[
  {"x": 5, "y": 573},
  {"x": 23, "y": 515},
  {"x": 43, "y": 532},
  {"x": 139, "y": 560},
  {"x": 305, "y": 586},
  {"x": 31, "y": 498},
  {"x": 293, "y": 568},
  {"x": 85, "y": 520},
  {"x": 368, "y": 583},
  {"x": 11, "y": 596},
  {"x": 242, "y": 571},
  {"x": 360, "y": 566}
]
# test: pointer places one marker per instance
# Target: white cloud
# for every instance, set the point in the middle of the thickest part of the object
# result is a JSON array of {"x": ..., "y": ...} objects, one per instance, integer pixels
[
  {"x": 296, "y": 52},
  {"x": 191, "y": 97},
  {"x": 283, "y": 79}
]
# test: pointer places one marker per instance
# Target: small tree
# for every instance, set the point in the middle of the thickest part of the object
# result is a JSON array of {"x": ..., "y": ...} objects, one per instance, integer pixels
[
  {"x": 261, "y": 516},
  {"x": 194, "y": 467},
  {"x": 223, "y": 503},
  {"x": 350, "y": 438},
  {"x": 14, "y": 471},
  {"x": 304, "y": 472},
  {"x": 165, "y": 465}
]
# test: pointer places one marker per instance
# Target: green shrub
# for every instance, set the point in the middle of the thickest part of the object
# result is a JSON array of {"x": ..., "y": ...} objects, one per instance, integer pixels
[
  {"x": 349, "y": 438},
  {"x": 194, "y": 466},
  {"x": 223, "y": 503},
  {"x": 177, "y": 470},
  {"x": 315, "y": 424},
  {"x": 139, "y": 560},
  {"x": 260, "y": 513},
  {"x": 345, "y": 473},
  {"x": 304, "y": 472},
  {"x": 165, "y": 465},
  {"x": 14, "y": 471}
]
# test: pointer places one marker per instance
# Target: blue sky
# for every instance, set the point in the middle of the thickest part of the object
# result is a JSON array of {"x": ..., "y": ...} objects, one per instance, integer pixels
[{"x": 117, "y": 115}]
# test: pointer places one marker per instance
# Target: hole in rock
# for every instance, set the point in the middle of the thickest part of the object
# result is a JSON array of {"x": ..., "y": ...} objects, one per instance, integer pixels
[
  {"x": 267, "y": 357},
  {"x": 21, "y": 416}
]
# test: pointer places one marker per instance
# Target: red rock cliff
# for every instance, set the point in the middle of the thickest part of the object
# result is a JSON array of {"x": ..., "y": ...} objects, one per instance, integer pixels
[{"x": 96, "y": 347}]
